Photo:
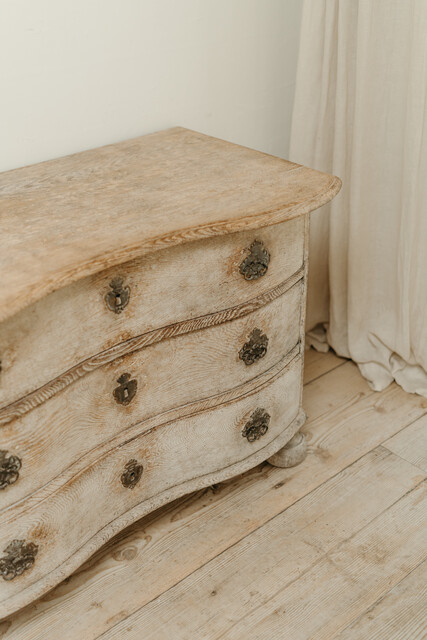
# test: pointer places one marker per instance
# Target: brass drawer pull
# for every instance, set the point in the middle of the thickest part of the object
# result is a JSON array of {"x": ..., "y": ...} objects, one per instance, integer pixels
[
  {"x": 255, "y": 348},
  {"x": 125, "y": 392},
  {"x": 9, "y": 469},
  {"x": 255, "y": 265},
  {"x": 132, "y": 474},
  {"x": 117, "y": 299},
  {"x": 20, "y": 556},
  {"x": 257, "y": 425}
]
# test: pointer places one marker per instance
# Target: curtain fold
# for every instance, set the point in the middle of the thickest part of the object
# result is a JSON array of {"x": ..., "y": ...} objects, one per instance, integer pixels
[{"x": 361, "y": 112}]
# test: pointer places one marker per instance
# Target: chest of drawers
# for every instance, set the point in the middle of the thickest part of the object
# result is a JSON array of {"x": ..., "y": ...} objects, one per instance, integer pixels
[{"x": 151, "y": 337}]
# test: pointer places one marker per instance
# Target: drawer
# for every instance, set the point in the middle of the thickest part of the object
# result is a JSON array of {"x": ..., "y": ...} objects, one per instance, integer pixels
[
  {"x": 145, "y": 384},
  {"x": 142, "y": 472},
  {"x": 92, "y": 315}
]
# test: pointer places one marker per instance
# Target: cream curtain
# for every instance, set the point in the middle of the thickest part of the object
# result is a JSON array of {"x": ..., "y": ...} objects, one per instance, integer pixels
[{"x": 361, "y": 112}]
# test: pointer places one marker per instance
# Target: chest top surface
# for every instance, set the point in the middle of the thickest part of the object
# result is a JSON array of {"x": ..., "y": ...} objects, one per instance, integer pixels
[{"x": 68, "y": 218}]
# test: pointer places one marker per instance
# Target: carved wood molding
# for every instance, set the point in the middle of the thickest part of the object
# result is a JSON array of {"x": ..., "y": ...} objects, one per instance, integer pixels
[
  {"x": 37, "y": 397},
  {"x": 140, "y": 429},
  {"x": 36, "y": 589}
]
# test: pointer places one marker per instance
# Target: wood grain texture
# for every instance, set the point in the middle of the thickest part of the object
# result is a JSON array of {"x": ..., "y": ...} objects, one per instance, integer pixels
[
  {"x": 164, "y": 548},
  {"x": 209, "y": 447},
  {"x": 411, "y": 443},
  {"x": 345, "y": 582},
  {"x": 64, "y": 330},
  {"x": 170, "y": 374},
  {"x": 37, "y": 397},
  {"x": 318, "y": 364},
  {"x": 251, "y": 590},
  {"x": 399, "y": 615},
  {"x": 70, "y": 227},
  {"x": 90, "y": 211},
  {"x": 168, "y": 418}
]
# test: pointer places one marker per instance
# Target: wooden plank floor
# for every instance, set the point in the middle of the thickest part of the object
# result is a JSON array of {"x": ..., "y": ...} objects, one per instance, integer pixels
[{"x": 334, "y": 548}]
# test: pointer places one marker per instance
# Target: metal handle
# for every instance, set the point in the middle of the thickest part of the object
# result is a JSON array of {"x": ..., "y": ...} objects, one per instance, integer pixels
[
  {"x": 125, "y": 392},
  {"x": 257, "y": 425},
  {"x": 9, "y": 469},
  {"x": 132, "y": 474},
  {"x": 255, "y": 265},
  {"x": 19, "y": 556},
  {"x": 255, "y": 348},
  {"x": 117, "y": 299}
]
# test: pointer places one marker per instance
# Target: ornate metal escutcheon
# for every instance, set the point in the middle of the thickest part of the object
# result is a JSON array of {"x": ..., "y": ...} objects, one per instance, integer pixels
[
  {"x": 255, "y": 348},
  {"x": 132, "y": 474},
  {"x": 20, "y": 556},
  {"x": 9, "y": 469},
  {"x": 117, "y": 299},
  {"x": 257, "y": 425},
  {"x": 125, "y": 392},
  {"x": 255, "y": 265}
]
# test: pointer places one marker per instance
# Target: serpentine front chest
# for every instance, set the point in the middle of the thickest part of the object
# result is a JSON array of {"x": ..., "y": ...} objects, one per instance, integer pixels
[{"x": 151, "y": 337}]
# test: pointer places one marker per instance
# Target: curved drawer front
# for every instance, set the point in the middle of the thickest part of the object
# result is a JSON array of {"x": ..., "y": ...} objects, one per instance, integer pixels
[
  {"x": 145, "y": 384},
  {"x": 168, "y": 286},
  {"x": 135, "y": 477}
]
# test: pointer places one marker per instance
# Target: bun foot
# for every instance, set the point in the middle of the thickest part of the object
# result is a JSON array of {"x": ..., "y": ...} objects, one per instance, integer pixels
[{"x": 292, "y": 453}]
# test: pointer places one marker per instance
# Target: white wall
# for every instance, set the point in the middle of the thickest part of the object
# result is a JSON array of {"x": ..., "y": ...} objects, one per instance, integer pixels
[{"x": 76, "y": 74}]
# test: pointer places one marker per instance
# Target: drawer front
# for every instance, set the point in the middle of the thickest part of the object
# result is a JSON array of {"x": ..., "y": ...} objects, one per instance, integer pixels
[
  {"x": 144, "y": 471},
  {"x": 143, "y": 385},
  {"x": 168, "y": 286}
]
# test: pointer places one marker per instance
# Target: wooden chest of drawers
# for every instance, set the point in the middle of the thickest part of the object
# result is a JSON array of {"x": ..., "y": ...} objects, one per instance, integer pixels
[{"x": 151, "y": 337}]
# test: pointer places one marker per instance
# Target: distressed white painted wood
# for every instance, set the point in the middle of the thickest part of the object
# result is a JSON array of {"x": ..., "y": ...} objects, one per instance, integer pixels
[
  {"x": 72, "y": 324},
  {"x": 86, "y": 212},
  {"x": 71, "y": 521},
  {"x": 169, "y": 375},
  {"x": 166, "y": 547},
  {"x": 125, "y": 312}
]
